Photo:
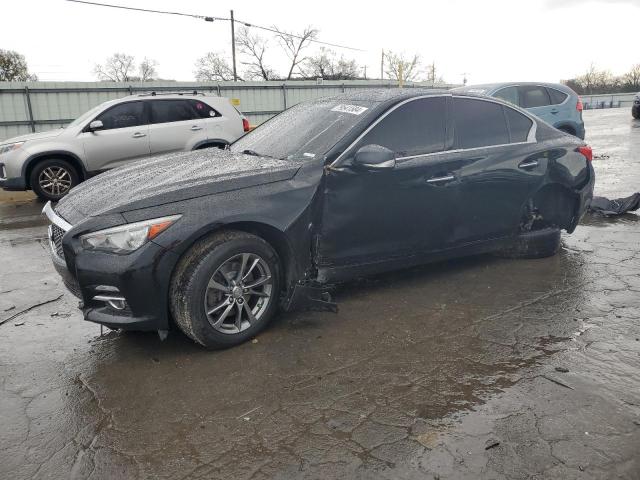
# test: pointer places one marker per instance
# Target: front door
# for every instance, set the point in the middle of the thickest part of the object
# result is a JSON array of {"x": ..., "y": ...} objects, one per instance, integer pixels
[
  {"x": 124, "y": 137},
  {"x": 371, "y": 216}
]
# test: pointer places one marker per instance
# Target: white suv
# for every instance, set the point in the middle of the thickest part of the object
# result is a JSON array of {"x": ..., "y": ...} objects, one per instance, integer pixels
[{"x": 114, "y": 133}]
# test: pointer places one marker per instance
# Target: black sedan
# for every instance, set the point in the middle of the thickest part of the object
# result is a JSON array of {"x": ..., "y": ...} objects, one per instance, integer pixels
[{"x": 216, "y": 242}]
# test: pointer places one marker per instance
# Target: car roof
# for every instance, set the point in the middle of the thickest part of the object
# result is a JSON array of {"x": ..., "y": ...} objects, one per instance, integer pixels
[{"x": 381, "y": 95}]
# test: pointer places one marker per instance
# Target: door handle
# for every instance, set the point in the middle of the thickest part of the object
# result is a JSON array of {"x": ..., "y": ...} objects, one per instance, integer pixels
[
  {"x": 139, "y": 135},
  {"x": 529, "y": 164},
  {"x": 446, "y": 178},
  {"x": 196, "y": 128},
  {"x": 554, "y": 111}
]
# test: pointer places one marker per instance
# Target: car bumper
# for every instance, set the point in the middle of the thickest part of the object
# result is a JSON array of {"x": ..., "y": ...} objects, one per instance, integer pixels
[
  {"x": 140, "y": 279},
  {"x": 585, "y": 195},
  {"x": 580, "y": 131},
  {"x": 8, "y": 183}
]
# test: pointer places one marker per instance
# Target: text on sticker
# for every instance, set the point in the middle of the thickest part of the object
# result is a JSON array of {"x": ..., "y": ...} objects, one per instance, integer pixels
[{"x": 352, "y": 109}]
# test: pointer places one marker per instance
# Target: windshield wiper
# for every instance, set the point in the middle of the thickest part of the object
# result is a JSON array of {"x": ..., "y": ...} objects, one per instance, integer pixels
[{"x": 256, "y": 154}]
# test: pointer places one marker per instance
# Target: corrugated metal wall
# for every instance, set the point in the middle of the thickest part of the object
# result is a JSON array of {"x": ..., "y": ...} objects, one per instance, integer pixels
[{"x": 40, "y": 106}]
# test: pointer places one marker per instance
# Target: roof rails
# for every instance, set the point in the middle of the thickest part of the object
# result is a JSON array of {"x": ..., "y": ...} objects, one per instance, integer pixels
[{"x": 156, "y": 94}]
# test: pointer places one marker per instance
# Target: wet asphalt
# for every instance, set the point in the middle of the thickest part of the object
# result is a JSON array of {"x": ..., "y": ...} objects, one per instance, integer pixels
[{"x": 468, "y": 369}]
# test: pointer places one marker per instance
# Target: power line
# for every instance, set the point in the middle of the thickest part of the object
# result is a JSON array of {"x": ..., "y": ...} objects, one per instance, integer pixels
[{"x": 212, "y": 18}]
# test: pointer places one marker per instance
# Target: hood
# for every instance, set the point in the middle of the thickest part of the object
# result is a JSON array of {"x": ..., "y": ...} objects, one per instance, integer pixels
[
  {"x": 34, "y": 136},
  {"x": 171, "y": 178}
]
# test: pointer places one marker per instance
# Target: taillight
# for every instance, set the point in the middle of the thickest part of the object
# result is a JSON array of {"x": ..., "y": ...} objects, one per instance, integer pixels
[
  {"x": 579, "y": 105},
  {"x": 245, "y": 125},
  {"x": 586, "y": 152}
]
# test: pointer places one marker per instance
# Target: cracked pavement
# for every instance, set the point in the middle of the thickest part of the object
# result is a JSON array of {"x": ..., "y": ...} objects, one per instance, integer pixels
[{"x": 481, "y": 368}]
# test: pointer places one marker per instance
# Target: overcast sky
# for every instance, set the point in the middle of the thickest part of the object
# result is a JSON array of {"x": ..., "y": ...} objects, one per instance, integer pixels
[{"x": 492, "y": 40}]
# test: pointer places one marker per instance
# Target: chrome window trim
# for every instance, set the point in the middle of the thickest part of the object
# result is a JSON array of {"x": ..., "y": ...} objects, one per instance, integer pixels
[
  {"x": 54, "y": 218},
  {"x": 531, "y": 137}
]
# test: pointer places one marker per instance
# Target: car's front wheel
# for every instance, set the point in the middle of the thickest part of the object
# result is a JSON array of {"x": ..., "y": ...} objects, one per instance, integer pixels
[
  {"x": 225, "y": 289},
  {"x": 53, "y": 178}
]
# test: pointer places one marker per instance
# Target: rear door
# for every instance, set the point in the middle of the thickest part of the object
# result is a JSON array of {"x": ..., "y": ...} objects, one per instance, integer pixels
[
  {"x": 123, "y": 138},
  {"x": 560, "y": 109},
  {"x": 499, "y": 168},
  {"x": 535, "y": 99},
  {"x": 175, "y": 125}
]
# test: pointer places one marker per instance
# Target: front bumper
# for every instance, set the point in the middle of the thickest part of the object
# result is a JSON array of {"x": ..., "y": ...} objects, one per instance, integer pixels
[{"x": 141, "y": 278}]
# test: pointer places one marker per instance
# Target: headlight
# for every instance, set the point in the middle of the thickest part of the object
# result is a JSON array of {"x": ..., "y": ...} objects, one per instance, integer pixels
[
  {"x": 126, "y": 238},
  {"x": 10, "y": 147}
]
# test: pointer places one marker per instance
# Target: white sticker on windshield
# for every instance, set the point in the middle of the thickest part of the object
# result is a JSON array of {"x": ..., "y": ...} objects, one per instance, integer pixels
[{"x": 352, "y": 109}]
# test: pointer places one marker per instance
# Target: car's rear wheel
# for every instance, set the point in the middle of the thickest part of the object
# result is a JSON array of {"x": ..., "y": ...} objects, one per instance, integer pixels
[
  {"x": 535, "y": 244},
  {"x": 53, "y": 178},
  {"x": 635, "y": 112},
  {"x": 225, "y": 289}
]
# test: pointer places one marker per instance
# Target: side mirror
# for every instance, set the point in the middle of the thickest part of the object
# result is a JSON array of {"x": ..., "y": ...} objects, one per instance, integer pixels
[
  {"x": 96, "y": 125},
  {"x": 374, "y": 157}
]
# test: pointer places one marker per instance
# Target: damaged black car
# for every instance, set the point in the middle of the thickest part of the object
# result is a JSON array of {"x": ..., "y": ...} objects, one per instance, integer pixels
[{"x": 215, "y": 242}]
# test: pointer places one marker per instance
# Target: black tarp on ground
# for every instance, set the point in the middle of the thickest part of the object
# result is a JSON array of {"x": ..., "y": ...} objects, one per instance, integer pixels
[{"x": 618, "y": 206}]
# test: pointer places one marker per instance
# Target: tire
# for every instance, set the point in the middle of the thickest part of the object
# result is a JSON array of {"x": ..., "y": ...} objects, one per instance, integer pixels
[
  {"x": 216, "y": 261},
  {"x": 65, "y": 175},
  {"x": 635, "y": 113},
  {"x": 536, "y": 244}
]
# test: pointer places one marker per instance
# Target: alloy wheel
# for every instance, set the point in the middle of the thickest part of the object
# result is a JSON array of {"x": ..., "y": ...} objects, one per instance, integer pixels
[
  {"x": 238, "y": 293},
  {"x": 55, "y": 180}
]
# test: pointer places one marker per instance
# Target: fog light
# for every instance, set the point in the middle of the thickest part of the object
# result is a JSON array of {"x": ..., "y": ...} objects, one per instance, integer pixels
[{"x": 117, "y": 303}]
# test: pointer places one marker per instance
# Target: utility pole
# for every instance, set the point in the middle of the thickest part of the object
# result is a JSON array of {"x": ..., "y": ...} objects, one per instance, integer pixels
[
  {"x": 233, "y": 47},
  {"x": 382, "y": 65},
  {"x": 365, "y": 72},
  {"x": 400, "y": 74}
]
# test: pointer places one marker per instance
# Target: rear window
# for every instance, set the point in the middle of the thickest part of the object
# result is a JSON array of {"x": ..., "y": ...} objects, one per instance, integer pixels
[
  {"x": 166, "y": 111},
  {"x": 557, "y": 96},
  {"x": 479, "y": 123},
  {"x": 519, "y": 125},
  {"x": 203, "y": 110},
  {"x": 533, "y": 96}
]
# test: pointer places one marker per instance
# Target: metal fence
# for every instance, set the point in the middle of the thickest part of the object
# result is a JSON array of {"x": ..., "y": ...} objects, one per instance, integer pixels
[
  {"x": 38, "y": 106},
  {"x": 612, "y": 100}
]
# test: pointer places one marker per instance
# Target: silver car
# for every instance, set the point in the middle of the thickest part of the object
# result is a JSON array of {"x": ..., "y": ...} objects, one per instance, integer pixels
[{"x": 114, "y": 133}]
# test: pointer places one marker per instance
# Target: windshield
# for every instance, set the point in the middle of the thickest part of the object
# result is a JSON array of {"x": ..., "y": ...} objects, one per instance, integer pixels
[
  {"x": 86, "y": 116},
  {"x": 304, "y": 131}
]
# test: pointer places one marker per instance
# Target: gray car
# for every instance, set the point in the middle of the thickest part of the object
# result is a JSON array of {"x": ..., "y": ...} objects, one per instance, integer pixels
[
  {"x": 554, "y": 103},
  {"x": 113, "y": 134}
]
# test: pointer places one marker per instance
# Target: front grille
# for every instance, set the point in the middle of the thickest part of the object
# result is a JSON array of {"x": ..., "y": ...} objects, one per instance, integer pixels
[{"x": 55, "y": 235}]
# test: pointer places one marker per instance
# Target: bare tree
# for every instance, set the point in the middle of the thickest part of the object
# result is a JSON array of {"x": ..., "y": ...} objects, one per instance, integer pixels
[
  {"x": 13, "y": 67},
  {"x": 432, "y": 75},
  {"x": 588, "y": 80},
  {"x": 147, "y": 70},
  {"x": 293, "y": 46},
  {"x": 254, "y": 47},
  {"x": 395, "y": 63},
  {"x": 325, "y": 64},
  {"x": 117, "y": 68},
  {"x": 632, "y": 78},
  {"x": 213, "y": 67}
]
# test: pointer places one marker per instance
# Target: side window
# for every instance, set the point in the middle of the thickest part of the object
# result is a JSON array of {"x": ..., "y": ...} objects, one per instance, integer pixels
[
  {"x": 508, "y": 94},
  {"x": 415, "y": 128},
  {"x": 533, "y": 96},
  {"x": 557, "y": 97},
  {"x": 166, "y": 111},
  {"x": 203, "y": 110},
  {"x": 478, "y": 123},
  {"x": 519, "y": 125},
  {"x": 129, "y": 114}
]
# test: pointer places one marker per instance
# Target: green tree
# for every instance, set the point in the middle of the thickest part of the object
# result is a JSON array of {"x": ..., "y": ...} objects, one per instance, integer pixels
[{"x": 13, "y": 67}]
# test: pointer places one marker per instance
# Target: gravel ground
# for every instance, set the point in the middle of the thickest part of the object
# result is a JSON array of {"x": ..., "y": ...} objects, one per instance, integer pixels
[{"x": 476, "y": 368}]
